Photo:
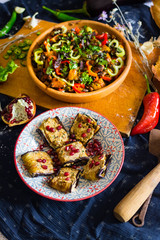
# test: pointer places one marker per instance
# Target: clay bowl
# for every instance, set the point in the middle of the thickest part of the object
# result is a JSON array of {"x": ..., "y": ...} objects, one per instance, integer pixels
[{"x": 81, "y": 97}]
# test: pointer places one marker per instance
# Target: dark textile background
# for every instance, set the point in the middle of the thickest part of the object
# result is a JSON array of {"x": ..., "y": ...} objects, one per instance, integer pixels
[{"x": 24, "y": 215}]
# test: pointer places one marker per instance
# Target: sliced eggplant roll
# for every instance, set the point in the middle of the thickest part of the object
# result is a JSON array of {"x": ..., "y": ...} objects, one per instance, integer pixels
[
  {"x": 96, "y": 167},
  {"x": 54, "y": 132},
  {"x": 84, "y": 128},
  {"x": 72, "y": 154},
  {"x": 66, "y": 180},
  {"x": 38, "y": 163}
]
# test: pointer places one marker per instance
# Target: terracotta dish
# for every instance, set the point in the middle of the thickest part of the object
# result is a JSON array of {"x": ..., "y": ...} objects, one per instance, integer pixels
[{"x": 89, "y": 96}]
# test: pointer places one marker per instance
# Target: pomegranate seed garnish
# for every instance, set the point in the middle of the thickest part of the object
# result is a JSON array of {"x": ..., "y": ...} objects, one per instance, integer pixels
[
  {"x": 59, "y": 127},
  {"x": 70, "y": 146},
  {"x": 88, "y": 120},
  {"x": 95, "y": 145},
  {"x": 66, "y": 174},
  {"x": 97, "y": 163},
  {"x": 41, "y": 146},
  {"x": 43, "y": 160},
  {"x": 50, "y": 152},
  {"x": 90, "y": 165},
  {"x": 88, "y": 130},
  {"x": 100, "y": 157},
  {"x": 30, "y": 115},
  {"x": 80, "y": 125},
  {"x": 72, "y": 135},
  {"x": 74, "y": 166},
  {"x": 67, "y": 142},
  {"x": 83, "y": 135},
  {"x": 13, "y": 121},
  {"x": 90, "y": 144},
  {"x": 76, "y": 150},
  {"x": 67, "y": 179},
  {"x": 39, "y": 160},
  {"x": 44, "y": 166},
  {"x": 52, "y": 129},
  {"x": 96, "y": 141},
  {"x": 48, "y": 128},
  {"x": 67, "y": 148},
  {"x": 92, "y": 162},
  {"x": 71, "y": 153}
]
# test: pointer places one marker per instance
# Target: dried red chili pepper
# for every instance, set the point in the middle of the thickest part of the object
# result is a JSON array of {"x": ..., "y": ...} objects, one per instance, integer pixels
[{"x": 150, "y": 116}]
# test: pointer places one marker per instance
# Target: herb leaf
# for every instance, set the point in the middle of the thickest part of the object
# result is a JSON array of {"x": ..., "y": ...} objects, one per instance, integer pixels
[
  {"x": 86, "y": 78},
  {"x": 10, "y": 68}
]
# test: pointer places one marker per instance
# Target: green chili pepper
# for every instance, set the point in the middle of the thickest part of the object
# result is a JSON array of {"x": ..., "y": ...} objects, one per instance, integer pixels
[
  {"x": 82, "y": 10},
  {"x": 22, "y": 44},
  {"x": 115, "y": 43},
  {"x": 121, "y": 62},
  {"x": 12, "y": 47},
  {"x": 37, "y": 55},
  {"x": 28, "y": 41},
  {"x": 25, "y": 48},
  {"x": 11, "y": 22},
  {"x": 23, "y": 63},
  {"x": 17, "y": 51},
  {"x": 60, "y": 16},
  {"x": 9, "y": 52},
  {"x": 111, "y": 73},
  {"x": 120, "y": 52},
  {"x": 6, "y": 56},
  {"x": 22, "y": 56}
]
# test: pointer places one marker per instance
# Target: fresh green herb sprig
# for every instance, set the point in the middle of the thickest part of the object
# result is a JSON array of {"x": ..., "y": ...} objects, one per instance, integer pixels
[{"x": 86, "y": 78}]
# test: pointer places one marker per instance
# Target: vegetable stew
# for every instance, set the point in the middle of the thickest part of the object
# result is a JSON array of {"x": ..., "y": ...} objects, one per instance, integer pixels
[{"x": 78, "y": 60}]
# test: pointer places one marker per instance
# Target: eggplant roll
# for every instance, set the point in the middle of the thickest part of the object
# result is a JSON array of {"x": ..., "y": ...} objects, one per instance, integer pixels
[
  {"x": 38, "y": 163},
  {"x": 54, "y": 132},
  {"x": 66, "y": 180},
  {"x": 84, "y": 128},
  {"x": 72, "y": 154},
  {"x": 96, "y": 167}
]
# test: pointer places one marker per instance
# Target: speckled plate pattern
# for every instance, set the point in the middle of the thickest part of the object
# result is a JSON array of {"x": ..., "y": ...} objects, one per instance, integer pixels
[{"x": 30, "y": 140}]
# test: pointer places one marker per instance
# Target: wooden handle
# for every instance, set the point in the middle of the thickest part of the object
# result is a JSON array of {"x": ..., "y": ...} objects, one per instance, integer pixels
[{"x": 129, "y": 205}]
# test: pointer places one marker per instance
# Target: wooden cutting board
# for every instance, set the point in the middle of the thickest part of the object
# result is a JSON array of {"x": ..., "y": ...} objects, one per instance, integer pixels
[{"x": 120, "y": 107}]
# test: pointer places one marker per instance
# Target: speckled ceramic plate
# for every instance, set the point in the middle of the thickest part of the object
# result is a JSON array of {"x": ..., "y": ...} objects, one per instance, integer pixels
[{"x": 108, "y": 135}]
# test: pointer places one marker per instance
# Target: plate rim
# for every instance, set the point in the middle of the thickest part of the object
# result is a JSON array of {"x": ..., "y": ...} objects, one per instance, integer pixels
[{"x": 69, "y": 200}]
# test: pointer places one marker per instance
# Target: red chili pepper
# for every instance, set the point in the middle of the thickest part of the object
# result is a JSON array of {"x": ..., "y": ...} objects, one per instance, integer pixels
[
  {"x": 78, "y": 87},
  {"x": 100, "y": 37},
  {"x": 150, "y": 116},
  {"x": 77, "y": 29},
  {"x": 105, "y": 39},
  {"x": 58, "y": 71},
  {"x": 65, "y": 61},
  {"x": 105, "y": 78}
]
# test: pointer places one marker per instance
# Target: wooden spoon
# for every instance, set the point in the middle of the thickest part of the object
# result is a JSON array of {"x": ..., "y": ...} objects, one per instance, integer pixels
[{"x": 129, "y": 205}]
